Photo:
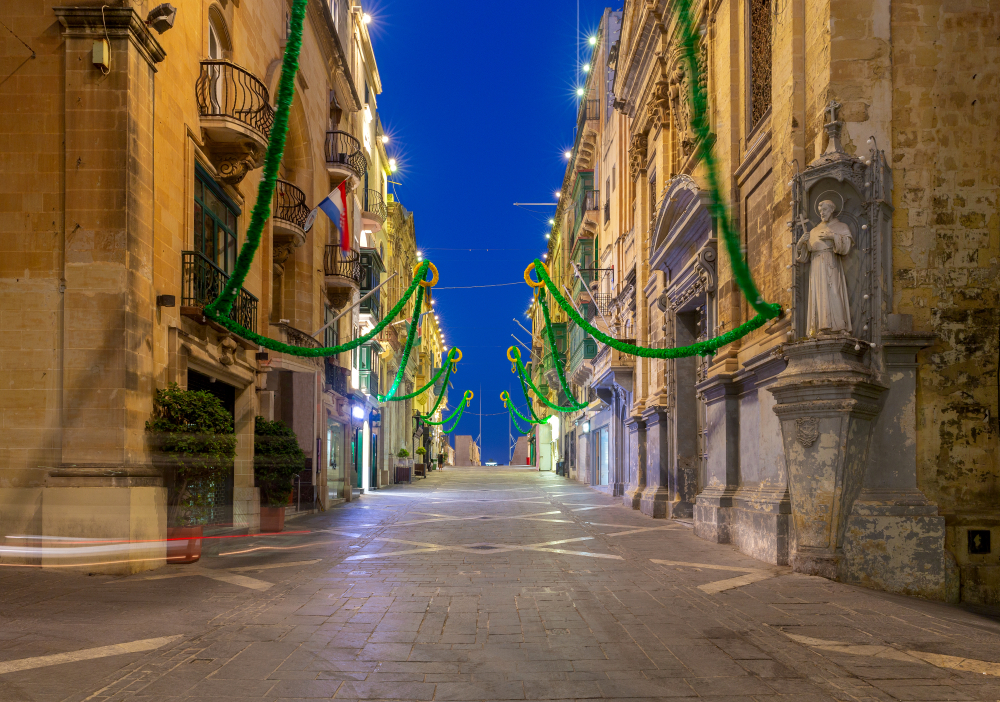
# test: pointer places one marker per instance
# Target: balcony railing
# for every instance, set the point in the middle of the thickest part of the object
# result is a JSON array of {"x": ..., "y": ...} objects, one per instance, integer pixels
[
  {"x": 590, "y": 109},
  {"x": 297, "y": 337},
  {"x": 342, "y": 149},
  {"x": 202, "y": 283},
  {"x": 375, "y": 204},
  {"x": 603, "y": 303},
  {"x": 290, "y": 204},
  {"x": 343, "y": 264},
  {"x": 224, "y": 89},
  {"x": 337, "y": 377}
]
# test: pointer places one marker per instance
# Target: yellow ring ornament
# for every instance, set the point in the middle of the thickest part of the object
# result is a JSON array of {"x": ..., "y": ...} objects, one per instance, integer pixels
[
  {"x": 459, "y": 358},
  {"x": 504, "y": 396},
  {"x": 468, "y": 396},
  {"x": 434, "y": 272},
  {"x": 517, "y": 352},
  {"x": 527, "y": 275}
]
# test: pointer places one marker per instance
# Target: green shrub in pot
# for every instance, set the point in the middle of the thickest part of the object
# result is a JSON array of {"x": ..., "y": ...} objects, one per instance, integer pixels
[{"x": 277, "y": 459}]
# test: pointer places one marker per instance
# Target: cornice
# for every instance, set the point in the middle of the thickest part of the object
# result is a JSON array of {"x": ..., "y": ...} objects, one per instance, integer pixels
[
  {"x": 117, "y": 22},
  {"x": 333, "y": 52}
]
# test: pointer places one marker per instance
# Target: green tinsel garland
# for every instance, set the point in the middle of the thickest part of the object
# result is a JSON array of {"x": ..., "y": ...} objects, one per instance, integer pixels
[
  {"x": 531, "y": 409},
  {"x": 701, "y": 348},
  {"x": 274, "y": 345},
  {"x": 413, "y": 394},
  {"x": 455, "y": 425},
  {"x": 523, "y": 374},
  {"x": 410, "y": 340},
  {"x": 460, "y": 408},
  {"x": 510, "y": 406},
  {"x": 444, "y": 390},
  {"x": 272, "y": 161},
  {"x": 554, "y": 350}
]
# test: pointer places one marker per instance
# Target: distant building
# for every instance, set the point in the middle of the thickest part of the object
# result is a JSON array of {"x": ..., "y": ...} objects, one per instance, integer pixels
[
  {"x": 521, "y": 455},
  {"x": 466, "y": 451}
]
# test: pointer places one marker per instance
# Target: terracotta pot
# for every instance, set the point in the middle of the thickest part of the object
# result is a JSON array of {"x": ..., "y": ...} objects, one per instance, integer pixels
[
  {"x": 272, "y": 519},
  {"x": 183, "y": 544}
]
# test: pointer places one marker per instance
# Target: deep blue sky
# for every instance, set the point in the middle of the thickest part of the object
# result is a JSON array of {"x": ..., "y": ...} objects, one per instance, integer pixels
[{"x": 478, "y": 100}]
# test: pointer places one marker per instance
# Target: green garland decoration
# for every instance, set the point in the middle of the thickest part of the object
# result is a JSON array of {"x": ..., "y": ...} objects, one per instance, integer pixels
[
  {"x": 457, "y": 410},
  {"x": 448, "y": 362},
  {"x": 455, "y": 425},
  {"x": 272, "y": 161},
  {"x": 522, "y": 372},
  {"x": 716, "y": 206},
  {"x": 531, "y": 408},
  {"x": 523, "y": 432},
  {"x": 275, "y": 345},
  {"x": 444, "y": 388},
  {"x": 554, "y": 350},
  {"x": 700, "y": 348},
  {"x": 510, "y": 403},
  {"x": 410, "y": 340}
]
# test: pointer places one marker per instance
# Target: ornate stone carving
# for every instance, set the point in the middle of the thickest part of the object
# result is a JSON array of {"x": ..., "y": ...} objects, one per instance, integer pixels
[
  {"x": 637, "y": 155},
  {"x": 227, "y": 350},
  {"x": 806, "y": 430},
  {"x": 280, "y": 254},
  {"x": 658, "y": 108}
]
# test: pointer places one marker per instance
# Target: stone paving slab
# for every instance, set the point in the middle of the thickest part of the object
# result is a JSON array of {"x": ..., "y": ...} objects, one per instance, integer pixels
[{"x": 476, "y": 584}]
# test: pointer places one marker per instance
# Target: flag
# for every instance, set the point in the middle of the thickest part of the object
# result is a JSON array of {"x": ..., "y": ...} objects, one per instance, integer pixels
[{"x": 334, "y": 206}]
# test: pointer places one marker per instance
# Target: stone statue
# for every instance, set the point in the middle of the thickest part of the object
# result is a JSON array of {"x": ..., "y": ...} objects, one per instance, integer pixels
[{"x": 829, "y": 309}]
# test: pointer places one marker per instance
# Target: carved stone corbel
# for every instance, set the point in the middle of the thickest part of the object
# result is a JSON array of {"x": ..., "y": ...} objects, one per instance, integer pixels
[{"x": 637, "y": 155}]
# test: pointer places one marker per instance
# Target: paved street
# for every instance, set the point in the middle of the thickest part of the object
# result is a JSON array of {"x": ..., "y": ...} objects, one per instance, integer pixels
[{"x": 481, "y": 584}]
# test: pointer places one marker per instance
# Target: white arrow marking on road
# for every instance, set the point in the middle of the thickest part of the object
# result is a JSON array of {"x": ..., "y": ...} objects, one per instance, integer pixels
[
  {"x": 85, "y": 654},
  {"x": 753, "y": 575}
]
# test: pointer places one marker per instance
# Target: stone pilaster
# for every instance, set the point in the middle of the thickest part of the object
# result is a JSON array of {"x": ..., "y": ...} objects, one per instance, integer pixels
[
  {"x": 655, "y": 500},
  {"x": 635, "y": 430},
  {"x": 713, "y": 507},
  {"x": 895, "y": 539},
  {"x": 827, "y": 402}
]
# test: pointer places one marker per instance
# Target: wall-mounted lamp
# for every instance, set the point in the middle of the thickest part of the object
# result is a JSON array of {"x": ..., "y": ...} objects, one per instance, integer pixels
[
  {"x": 161, "y": 18},
  {"x": 586, "y": 427},
  {"x": 262, "y": 356},
  {"x": 358, "y": 412},
  {"x": 166, "y": 301}
]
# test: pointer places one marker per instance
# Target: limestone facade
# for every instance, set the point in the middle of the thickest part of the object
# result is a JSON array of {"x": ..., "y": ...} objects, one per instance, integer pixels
[
  {"x": 869, "y": 456},
  {"x": 127, "y": 193}
]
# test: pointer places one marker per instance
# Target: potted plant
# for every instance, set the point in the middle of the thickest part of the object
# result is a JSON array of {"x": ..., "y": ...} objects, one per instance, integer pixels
[
  {"x": 193, "y": 441},
  {"x": 421, "y": 467},
  {"x": 277, "y": 459},
  {"x": 403, "y": 473}
]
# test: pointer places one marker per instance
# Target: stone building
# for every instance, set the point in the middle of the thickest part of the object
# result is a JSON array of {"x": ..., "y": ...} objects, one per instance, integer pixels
[
  {"x": 855, "y": 436},
  {"x": 132, "y": 156}
]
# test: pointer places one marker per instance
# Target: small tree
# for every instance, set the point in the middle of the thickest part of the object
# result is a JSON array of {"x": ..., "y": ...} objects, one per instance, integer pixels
[
  {"x": 193, "y": 440},
  {"x": 277, "y": 459},
  {"x": 421, "y": 450},
  {"x": 403, "y": 453}
]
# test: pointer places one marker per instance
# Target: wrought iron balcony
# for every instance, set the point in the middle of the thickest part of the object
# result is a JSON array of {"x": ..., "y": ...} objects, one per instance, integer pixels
[
  {"x": 233, "y": 103},
  {"x": 346, "y": 265},
  {"x": 374, "y": 204},
  {"x": 337, "y": 377},
  {"x": 202, "y": 281},
  {"x": 344, "y": 158},
  {"x": 590, "y": 110},
  {"x": 290, "y": 204}
]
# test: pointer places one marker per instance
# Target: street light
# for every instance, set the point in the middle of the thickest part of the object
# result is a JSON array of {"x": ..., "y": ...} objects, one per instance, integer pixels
[
  {"x": 592, "y": 40},
  {"x": 579, "y": 92}
]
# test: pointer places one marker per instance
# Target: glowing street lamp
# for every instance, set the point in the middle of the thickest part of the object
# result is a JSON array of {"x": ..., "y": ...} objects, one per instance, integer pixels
[
  {"x": 592, "y": 41},
  {"x": 366, "y": 18}
]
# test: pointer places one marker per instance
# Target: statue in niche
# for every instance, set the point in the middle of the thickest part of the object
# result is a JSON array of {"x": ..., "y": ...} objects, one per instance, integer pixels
[{"x": 829, "y": 309}]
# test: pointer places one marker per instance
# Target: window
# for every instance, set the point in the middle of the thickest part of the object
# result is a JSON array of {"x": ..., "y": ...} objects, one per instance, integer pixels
[
  {"x": 330, "y": 333},
  {"x": 760, "y": 60},
  {"x": 335, "y": 11},
  {"x": 214, "y": 222}
]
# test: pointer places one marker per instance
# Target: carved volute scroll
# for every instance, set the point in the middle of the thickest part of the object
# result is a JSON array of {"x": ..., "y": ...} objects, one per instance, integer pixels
[
  {"x": 860, "y": 188},
  {"x": 637, "y": 155}
]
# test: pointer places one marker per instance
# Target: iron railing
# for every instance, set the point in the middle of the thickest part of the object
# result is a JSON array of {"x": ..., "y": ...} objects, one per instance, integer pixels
[
  {"x": 202, "y": 283},
  {"x": 290, "y": 204},
  {"x": 297, "y": 337},
  {"x": 337, "y": 377},
  {"x": 345, "y": 264},
  {"x": 590, "y": 109},
  {"x": 343, "y": 149},
  {"x": 223, "y": 89},
  {"x": 375, "y": 204},
  {"x": 603, "y": 303}
]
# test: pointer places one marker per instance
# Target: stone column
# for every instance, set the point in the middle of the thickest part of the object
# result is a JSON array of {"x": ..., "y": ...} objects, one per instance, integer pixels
[
  {"x": 714, "y": 506},
  {"x": 827, "y": 402},
  {"x": 895, "y": 539}
]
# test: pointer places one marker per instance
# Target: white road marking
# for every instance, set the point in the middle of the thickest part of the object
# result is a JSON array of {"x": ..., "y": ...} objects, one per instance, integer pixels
[
  {"x": 585, "y": 509},
  {"x": 228, "y": 575},
  {"x": 269, "y": 566},
  {"x": 637, "y": 530},
  {"x": 971, "y": 665},
  {"x": 85, "y": 654},
  {"x": 753, "y": 575},
  {"x": 481, "y": 518},
  {"x": 425, "y": 547}
]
